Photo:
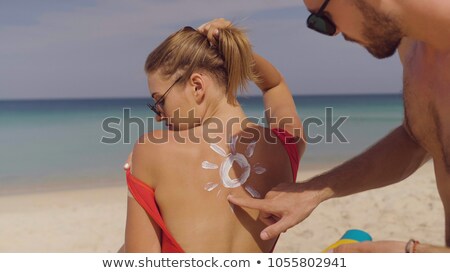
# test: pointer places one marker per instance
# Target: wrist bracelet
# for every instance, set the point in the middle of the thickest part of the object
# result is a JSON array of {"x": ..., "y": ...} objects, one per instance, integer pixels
[{"x": 411, "y": 245}]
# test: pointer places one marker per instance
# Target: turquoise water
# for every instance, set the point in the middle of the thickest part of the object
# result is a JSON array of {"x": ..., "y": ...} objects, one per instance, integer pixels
[{"x": 60, "y": 140}]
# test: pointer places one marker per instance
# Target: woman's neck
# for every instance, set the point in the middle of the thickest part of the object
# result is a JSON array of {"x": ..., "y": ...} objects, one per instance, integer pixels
[{"x": 225, "y": 118}]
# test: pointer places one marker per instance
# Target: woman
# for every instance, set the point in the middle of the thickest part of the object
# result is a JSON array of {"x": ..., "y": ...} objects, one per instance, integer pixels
[{"x": 181, "y": 177}]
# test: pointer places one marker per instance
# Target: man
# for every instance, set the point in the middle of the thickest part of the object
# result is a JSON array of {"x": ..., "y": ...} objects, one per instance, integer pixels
[{"x": 420, "y": 31}]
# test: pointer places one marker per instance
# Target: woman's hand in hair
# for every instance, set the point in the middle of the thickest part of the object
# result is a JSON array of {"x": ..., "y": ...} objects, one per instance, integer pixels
[{"x": 211, "y": 29}]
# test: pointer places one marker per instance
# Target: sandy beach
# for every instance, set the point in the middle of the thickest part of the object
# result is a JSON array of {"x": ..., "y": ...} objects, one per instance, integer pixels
[{"x": 93, "y": 220}]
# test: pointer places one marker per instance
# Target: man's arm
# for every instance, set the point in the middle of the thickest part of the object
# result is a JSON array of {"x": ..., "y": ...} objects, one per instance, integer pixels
[{"x": 390, "y": 160}]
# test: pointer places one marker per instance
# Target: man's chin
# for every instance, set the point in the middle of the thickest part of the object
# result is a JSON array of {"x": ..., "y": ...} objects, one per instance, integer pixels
[
  {"x": 382, "y": 52},
  {"x": 381, "y": 56}
]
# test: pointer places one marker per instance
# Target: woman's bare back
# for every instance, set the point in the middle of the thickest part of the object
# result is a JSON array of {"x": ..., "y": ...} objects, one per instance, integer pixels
[{"x": 193, "y": 175}]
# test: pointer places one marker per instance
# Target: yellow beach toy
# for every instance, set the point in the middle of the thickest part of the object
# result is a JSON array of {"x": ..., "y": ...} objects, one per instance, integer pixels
[{"x": 351, "y": 236}]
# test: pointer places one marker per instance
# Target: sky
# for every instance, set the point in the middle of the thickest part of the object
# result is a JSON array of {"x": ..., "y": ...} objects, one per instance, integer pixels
[{"x": 97, "y": 48}]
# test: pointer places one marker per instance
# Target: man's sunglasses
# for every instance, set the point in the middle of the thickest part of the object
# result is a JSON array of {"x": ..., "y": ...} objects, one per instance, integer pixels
[
  {"x": 155, "y": 107},
  {"x": 320, "y": 22}
]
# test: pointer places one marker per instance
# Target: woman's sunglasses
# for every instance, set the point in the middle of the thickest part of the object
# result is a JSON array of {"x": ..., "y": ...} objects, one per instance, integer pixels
[
  {"x": 157, "y": 106},
  {"x": 320, "y": 22}
]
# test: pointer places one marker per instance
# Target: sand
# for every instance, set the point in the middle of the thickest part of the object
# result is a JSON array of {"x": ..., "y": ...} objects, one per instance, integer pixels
[{"x": 93, "y": 220}]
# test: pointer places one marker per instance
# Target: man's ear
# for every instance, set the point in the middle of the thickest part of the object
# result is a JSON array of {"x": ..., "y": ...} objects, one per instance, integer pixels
[{"x": 197, "y": 83}]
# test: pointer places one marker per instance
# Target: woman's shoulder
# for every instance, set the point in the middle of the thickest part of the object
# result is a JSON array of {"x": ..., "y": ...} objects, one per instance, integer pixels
[
  {"x": 148, "y": 152},
  {"x": 160, "y": 144},
  {"x": 156, "y": 137},
  {"x": 161, "y": 139}
]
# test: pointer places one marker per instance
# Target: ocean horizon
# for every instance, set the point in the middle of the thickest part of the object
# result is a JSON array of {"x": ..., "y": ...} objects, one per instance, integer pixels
[{"x": 56, "y": 143}]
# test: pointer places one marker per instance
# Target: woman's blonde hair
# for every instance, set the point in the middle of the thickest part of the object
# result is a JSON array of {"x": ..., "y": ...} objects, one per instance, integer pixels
[{"x": 188, "y": 51}]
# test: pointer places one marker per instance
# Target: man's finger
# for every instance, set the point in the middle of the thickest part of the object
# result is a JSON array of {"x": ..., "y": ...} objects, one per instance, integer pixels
[
  {"x": 274, "y": 230},
  {"x": 248, "y": 202},
  {"x": 267, "y": 218}
]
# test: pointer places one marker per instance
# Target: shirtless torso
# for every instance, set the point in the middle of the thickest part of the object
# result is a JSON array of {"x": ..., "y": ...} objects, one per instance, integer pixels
[{"x": 427, "y": 110}]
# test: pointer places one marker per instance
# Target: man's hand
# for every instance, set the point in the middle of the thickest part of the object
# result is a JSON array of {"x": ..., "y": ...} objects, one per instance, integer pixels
[{"x": 284, "y": 206}]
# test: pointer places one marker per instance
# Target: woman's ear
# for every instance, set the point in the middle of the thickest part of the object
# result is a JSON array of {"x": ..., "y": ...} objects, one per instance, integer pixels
[{"x": 197, "y": 82}]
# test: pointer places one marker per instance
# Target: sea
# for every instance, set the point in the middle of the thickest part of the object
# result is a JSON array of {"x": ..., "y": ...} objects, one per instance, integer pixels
[{"x": 78, "y": 143}]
